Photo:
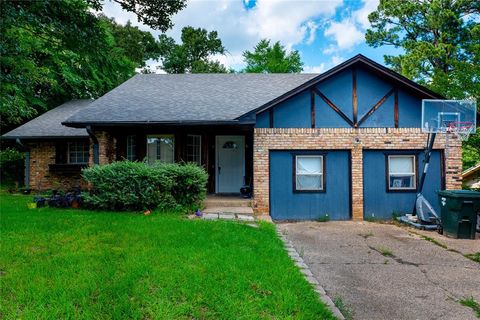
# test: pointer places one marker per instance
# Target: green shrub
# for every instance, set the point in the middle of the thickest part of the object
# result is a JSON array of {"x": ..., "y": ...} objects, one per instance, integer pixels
[
  {"x": 12, "y": 166},
  {"x": 127, "y": 185}
]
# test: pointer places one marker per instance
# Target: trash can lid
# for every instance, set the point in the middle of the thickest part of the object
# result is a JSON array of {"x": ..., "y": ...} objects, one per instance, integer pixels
[{"x": 460, "y": 194}]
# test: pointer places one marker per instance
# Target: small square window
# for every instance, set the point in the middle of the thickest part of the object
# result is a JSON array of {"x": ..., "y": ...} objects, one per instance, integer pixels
[
  {"x": 309, "y": 175},
  {"x": 401, "y": 172},
  {"x": 78, "y": 152},
  {"x": 161, "y": 148}
]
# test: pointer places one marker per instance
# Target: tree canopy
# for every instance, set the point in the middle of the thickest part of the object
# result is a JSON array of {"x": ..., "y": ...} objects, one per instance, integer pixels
[
  {"x": 53, "y": 51},
  {"x": 194, "y": 54},
  {"x": 440, "y": 40},
  {"x": 267, "y": 58},
  {"x": 153, "y": 13}
]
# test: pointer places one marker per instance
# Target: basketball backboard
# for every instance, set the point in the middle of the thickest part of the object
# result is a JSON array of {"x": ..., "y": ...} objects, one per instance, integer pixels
[{"x": 450, "y": 116}]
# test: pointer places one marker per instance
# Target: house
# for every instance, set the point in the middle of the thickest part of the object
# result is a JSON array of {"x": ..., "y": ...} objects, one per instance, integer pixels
[
  {"x": 346, "y": 143},
  {"x": 471, "y": 177}
]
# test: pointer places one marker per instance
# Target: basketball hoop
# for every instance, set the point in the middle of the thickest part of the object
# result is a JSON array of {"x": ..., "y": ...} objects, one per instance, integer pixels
[{"x": 462, "y": 129}]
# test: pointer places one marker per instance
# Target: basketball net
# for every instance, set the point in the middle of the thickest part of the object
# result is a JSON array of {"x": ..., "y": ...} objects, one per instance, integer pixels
[{"x": 461, "y": 130}]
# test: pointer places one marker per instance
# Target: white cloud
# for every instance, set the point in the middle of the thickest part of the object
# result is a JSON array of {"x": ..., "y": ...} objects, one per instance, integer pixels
[
  {"x": 315, "y": 69},
  {"x": 361, "y": 15},
  {"x": 349, "y": 31},
  {"x": 345, "y": 34},
  {"x": 312, "y": 30},
  {"x": 337, "y": 60},
  {"x": 290, "y": 22}
]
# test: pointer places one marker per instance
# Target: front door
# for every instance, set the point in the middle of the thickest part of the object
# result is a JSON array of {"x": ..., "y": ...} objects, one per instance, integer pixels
[{"x": 230, "y": 163}]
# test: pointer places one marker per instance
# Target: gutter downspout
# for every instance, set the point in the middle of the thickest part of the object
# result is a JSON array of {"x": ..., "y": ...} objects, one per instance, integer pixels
[
  {"x": 96, "y": 156},
  {"x": 26, "y": 179}
]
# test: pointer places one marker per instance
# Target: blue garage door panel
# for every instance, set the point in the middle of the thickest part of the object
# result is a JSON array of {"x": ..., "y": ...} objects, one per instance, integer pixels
[
  {"x": 287, "y": 205},
  {"x": 380, "y": 204}
]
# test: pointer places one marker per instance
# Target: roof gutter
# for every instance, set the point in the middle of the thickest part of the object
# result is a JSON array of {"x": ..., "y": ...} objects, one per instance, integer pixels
[
  {"x": 155, "y": 123},
  {"x": 96, "y": 153}
]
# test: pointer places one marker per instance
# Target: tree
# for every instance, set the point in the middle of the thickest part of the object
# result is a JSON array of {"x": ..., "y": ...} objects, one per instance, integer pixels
[
  {"x": 53, "y": 51},
  {"x": 154, "y": 13},
  {"x": 440, "y": 40},
  {"x": 138, "y": 46},
  {"x": 194, "y": 54},
  {"x": 272, "y": 59}
]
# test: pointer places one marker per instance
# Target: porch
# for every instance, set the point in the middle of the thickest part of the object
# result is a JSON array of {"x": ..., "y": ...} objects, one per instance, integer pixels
[
  {"x": 234, "y": 206},
  {"x": 226, "y": 152}
]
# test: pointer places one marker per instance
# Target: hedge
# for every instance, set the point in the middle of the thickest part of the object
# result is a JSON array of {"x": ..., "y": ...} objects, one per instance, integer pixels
[{"x": 127, "y": 185}]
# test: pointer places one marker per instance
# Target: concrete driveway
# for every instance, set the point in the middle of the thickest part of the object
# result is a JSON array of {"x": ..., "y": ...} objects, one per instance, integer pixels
[{"x": 386, "y": 272}]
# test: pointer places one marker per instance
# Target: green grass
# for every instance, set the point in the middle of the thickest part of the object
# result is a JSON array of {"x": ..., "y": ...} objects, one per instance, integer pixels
[
  {"x": 473, "y": 256},
  {"x": 471, "y": 303},
  {"x": 385, "y": 252},
  {"x": 58, "y": 264}
]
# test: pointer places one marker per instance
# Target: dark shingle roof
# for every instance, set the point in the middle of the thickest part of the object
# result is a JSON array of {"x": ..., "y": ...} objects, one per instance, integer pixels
[
  {"x": 174, "y": 98},
  {"x": 49, "y": 124}
]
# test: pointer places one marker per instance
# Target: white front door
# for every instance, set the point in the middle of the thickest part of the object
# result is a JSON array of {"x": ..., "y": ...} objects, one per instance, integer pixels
[{"x": 230, "y": 163}]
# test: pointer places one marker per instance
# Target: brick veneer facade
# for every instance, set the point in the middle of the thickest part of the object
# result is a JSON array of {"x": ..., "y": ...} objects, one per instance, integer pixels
[
  {"x": 42, "y": 154},
  {"x": 356, "y": 140},
  {"x": 106, "y": 148}
]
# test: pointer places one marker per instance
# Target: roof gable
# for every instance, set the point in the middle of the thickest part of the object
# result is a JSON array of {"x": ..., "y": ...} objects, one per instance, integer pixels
[{"x": 366, "y": 63}]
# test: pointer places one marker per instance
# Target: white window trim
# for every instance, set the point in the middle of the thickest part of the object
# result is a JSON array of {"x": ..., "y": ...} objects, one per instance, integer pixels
[
  {"x": 68, "y": 152},
  {"x": 162, "y": 136},
  {"x": 322, "y": 188},
  {"x": 403, "y": 174},
  {"x": 200, "y": 147}
]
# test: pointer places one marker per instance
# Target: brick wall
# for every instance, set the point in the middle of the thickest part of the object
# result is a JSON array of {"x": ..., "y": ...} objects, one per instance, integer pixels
[
  {"x": 42, "y": 154},
  {"x": 356, "y": 140},
  {"x": 106, "y": 148}
]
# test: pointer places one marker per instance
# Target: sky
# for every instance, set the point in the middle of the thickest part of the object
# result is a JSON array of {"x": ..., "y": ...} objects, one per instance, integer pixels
[{"x": 325, "y": 32}]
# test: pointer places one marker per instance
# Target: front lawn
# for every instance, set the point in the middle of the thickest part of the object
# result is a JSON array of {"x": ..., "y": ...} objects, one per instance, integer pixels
[{"x": 57, "y": 263}]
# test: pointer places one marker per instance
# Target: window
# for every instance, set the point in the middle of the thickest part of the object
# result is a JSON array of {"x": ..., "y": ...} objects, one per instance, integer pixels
[
  {"x": 309, "y": 175},
  {"x": 194, "y": 149},
  {"x": 78, "y": 152},
  {"x": 132, "y": 148},
  {"x": 160, "y": 148},
  {"x": 401, "y": 172}
]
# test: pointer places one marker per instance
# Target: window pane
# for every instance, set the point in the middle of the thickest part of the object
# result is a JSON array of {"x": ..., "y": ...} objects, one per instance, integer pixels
[
  {"x": 78, "y": 152},
  {"x": 160, "y": 148},
  {"x": 309, "y": 165},
  {"x": 194, "y": 149},
  {"x": 309, "y": 182},
  {"x": 401, "y": 164},
  {"x": 402, "y": 181},
  {"x": 132, "y": 148}
]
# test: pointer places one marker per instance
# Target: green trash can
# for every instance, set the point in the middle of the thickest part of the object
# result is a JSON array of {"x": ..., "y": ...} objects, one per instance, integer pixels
[{"x": 459, "y": 209}]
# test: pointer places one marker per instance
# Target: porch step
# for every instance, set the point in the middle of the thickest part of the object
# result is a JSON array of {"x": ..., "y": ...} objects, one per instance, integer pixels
[
  {"x": 229, "y": 210},
  {"x": 228, "y": 202}
]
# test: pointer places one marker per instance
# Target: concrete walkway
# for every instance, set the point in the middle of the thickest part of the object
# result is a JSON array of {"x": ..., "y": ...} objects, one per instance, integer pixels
[{"x": 387, "y": 272}]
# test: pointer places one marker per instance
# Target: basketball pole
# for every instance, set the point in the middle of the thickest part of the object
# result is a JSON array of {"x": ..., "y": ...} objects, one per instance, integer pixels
[{"x": 426, "y": 162}]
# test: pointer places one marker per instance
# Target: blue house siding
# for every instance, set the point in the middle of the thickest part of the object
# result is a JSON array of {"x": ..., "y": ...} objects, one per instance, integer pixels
[
  {"x": 326, "y": 117},
  {"x": 293, "y": 113},
  {"x": 380, "y": 204},
  {"x": 296, "y": 112},
  {"x": 263, "y": 120},
  {"x": 409, "y": 110},
  {"x": 338, "y": 89},
  {"x": 335, "y": 201}
]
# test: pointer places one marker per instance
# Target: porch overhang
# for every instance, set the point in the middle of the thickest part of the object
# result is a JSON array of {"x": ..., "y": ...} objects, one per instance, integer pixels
[{"x": 159, "y": 123}]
